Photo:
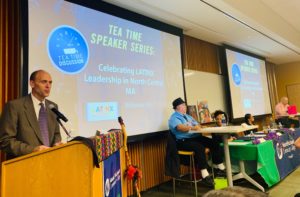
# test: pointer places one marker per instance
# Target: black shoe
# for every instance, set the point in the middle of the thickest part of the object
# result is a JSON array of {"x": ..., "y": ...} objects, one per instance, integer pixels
[
  {"x": 219, "y": 173},
  {"x": 209, "y": 169},
  {"x": 208, "y": 181}
]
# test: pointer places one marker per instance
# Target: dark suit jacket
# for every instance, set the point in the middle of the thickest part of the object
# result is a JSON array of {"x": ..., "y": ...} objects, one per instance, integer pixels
[
  {"x": 19, "y": 127},
  {"x": 172, "y": 160}
]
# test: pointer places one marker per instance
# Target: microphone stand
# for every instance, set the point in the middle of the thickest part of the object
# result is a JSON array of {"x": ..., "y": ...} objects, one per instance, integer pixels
[{"x": 64, "y": 128}]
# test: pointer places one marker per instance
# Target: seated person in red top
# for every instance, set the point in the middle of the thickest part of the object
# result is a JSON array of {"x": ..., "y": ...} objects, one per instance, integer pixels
[
  {"x": 282, "y": 116},
  {"x": 281, "y": 108},
  {"x": 180, "y": 125}
]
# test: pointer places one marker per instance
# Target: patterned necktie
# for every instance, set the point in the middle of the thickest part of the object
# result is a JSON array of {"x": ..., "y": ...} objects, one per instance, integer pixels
[{"x": 44, "y": 124}]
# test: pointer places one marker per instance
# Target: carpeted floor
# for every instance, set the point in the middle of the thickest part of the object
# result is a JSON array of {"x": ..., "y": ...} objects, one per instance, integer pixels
[{"x": 286, "y": 188}]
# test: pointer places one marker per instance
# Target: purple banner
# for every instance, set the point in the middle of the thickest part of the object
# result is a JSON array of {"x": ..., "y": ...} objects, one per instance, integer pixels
[{"x": 286, "y": 154}]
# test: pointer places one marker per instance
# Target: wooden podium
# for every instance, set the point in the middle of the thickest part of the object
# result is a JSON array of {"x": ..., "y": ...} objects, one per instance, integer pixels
[{"x": 65, "y": 170}]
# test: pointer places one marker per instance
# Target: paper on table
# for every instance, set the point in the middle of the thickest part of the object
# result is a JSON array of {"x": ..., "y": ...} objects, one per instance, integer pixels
[
  {"x": 239, "y": 143},
  {"x": 259, "y": 135}
]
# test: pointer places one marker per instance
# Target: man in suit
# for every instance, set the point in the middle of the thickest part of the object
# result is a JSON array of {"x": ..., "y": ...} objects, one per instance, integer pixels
[{"x": 23, "y": 128}]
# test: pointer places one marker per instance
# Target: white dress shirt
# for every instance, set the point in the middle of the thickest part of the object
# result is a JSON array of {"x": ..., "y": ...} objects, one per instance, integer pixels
[{"x": 37, "y": 106}]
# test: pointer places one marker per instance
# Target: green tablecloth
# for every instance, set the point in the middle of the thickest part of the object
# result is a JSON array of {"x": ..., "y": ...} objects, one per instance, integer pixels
[{"x": 263, "y": 153}]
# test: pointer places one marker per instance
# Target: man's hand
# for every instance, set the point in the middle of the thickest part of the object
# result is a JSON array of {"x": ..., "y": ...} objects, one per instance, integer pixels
[
  {"x": 197, "y": 127},
  {"x": 187, "y": 128},
  {"x": 39, "y": 148},
  {"x": 231, "y": 138}
]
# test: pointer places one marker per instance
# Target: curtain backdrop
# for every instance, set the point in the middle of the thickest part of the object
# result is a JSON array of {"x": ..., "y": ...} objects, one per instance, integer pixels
[{"x": 10, "y": 55}]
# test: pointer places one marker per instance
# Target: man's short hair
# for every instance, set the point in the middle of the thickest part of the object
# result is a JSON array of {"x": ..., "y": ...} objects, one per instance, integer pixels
[
  {"x": 284, "y": 98},
  {"x": 34, "y": 74}
]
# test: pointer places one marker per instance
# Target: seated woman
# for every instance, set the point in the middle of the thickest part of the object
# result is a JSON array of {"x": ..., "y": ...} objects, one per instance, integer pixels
[
  {"x": 218, "y": 115},
  {"x": 249, "y": 120}
]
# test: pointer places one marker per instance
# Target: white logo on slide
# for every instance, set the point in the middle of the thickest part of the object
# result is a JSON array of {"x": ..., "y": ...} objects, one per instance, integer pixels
[{"x": 236, "y": 74}]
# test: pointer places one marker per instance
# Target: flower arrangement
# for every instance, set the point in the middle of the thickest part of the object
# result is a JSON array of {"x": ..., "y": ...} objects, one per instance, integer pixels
[
  {"x": 270, "y": 136},
  {"x": 256, "y": 141},
  {"x": 288, "y": 131},
  {"x": 132, "y": 172}
]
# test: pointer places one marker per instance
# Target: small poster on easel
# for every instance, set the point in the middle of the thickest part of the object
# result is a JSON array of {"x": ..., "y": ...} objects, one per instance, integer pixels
[
  {"x": 204, "y": 113},
  {"x": 192, "y": 111}
]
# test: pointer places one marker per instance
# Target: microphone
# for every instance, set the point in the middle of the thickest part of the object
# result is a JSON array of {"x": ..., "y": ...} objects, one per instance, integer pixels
[{"x": 58, "y": 114}]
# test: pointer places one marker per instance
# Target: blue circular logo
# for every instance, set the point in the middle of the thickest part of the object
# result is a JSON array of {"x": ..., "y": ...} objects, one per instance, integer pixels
[
  {"x": 236, "y": 74},
  {"x": 68, "y": 50}
]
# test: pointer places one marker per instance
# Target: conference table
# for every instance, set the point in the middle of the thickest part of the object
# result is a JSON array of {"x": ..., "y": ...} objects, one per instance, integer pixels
[
  {"x": 275, "y": 158},
  {"x": 290, "y": 115},
  {"x": 226, "y": 131},
  {"x": 263, "y": 155}
]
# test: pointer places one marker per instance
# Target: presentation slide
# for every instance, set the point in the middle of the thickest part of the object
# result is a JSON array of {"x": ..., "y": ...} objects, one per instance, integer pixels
[
  {"x": 248, "y": 85},
  {"x": 104, "y": 67}
]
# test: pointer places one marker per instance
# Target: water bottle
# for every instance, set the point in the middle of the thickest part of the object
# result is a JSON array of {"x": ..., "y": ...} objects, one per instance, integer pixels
[
  {"x": 224, "y": 123},
  {"x": 280, "y": 125},
  {"x": 251, "y": 135},
  {"x": 273, "y": 124}
]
